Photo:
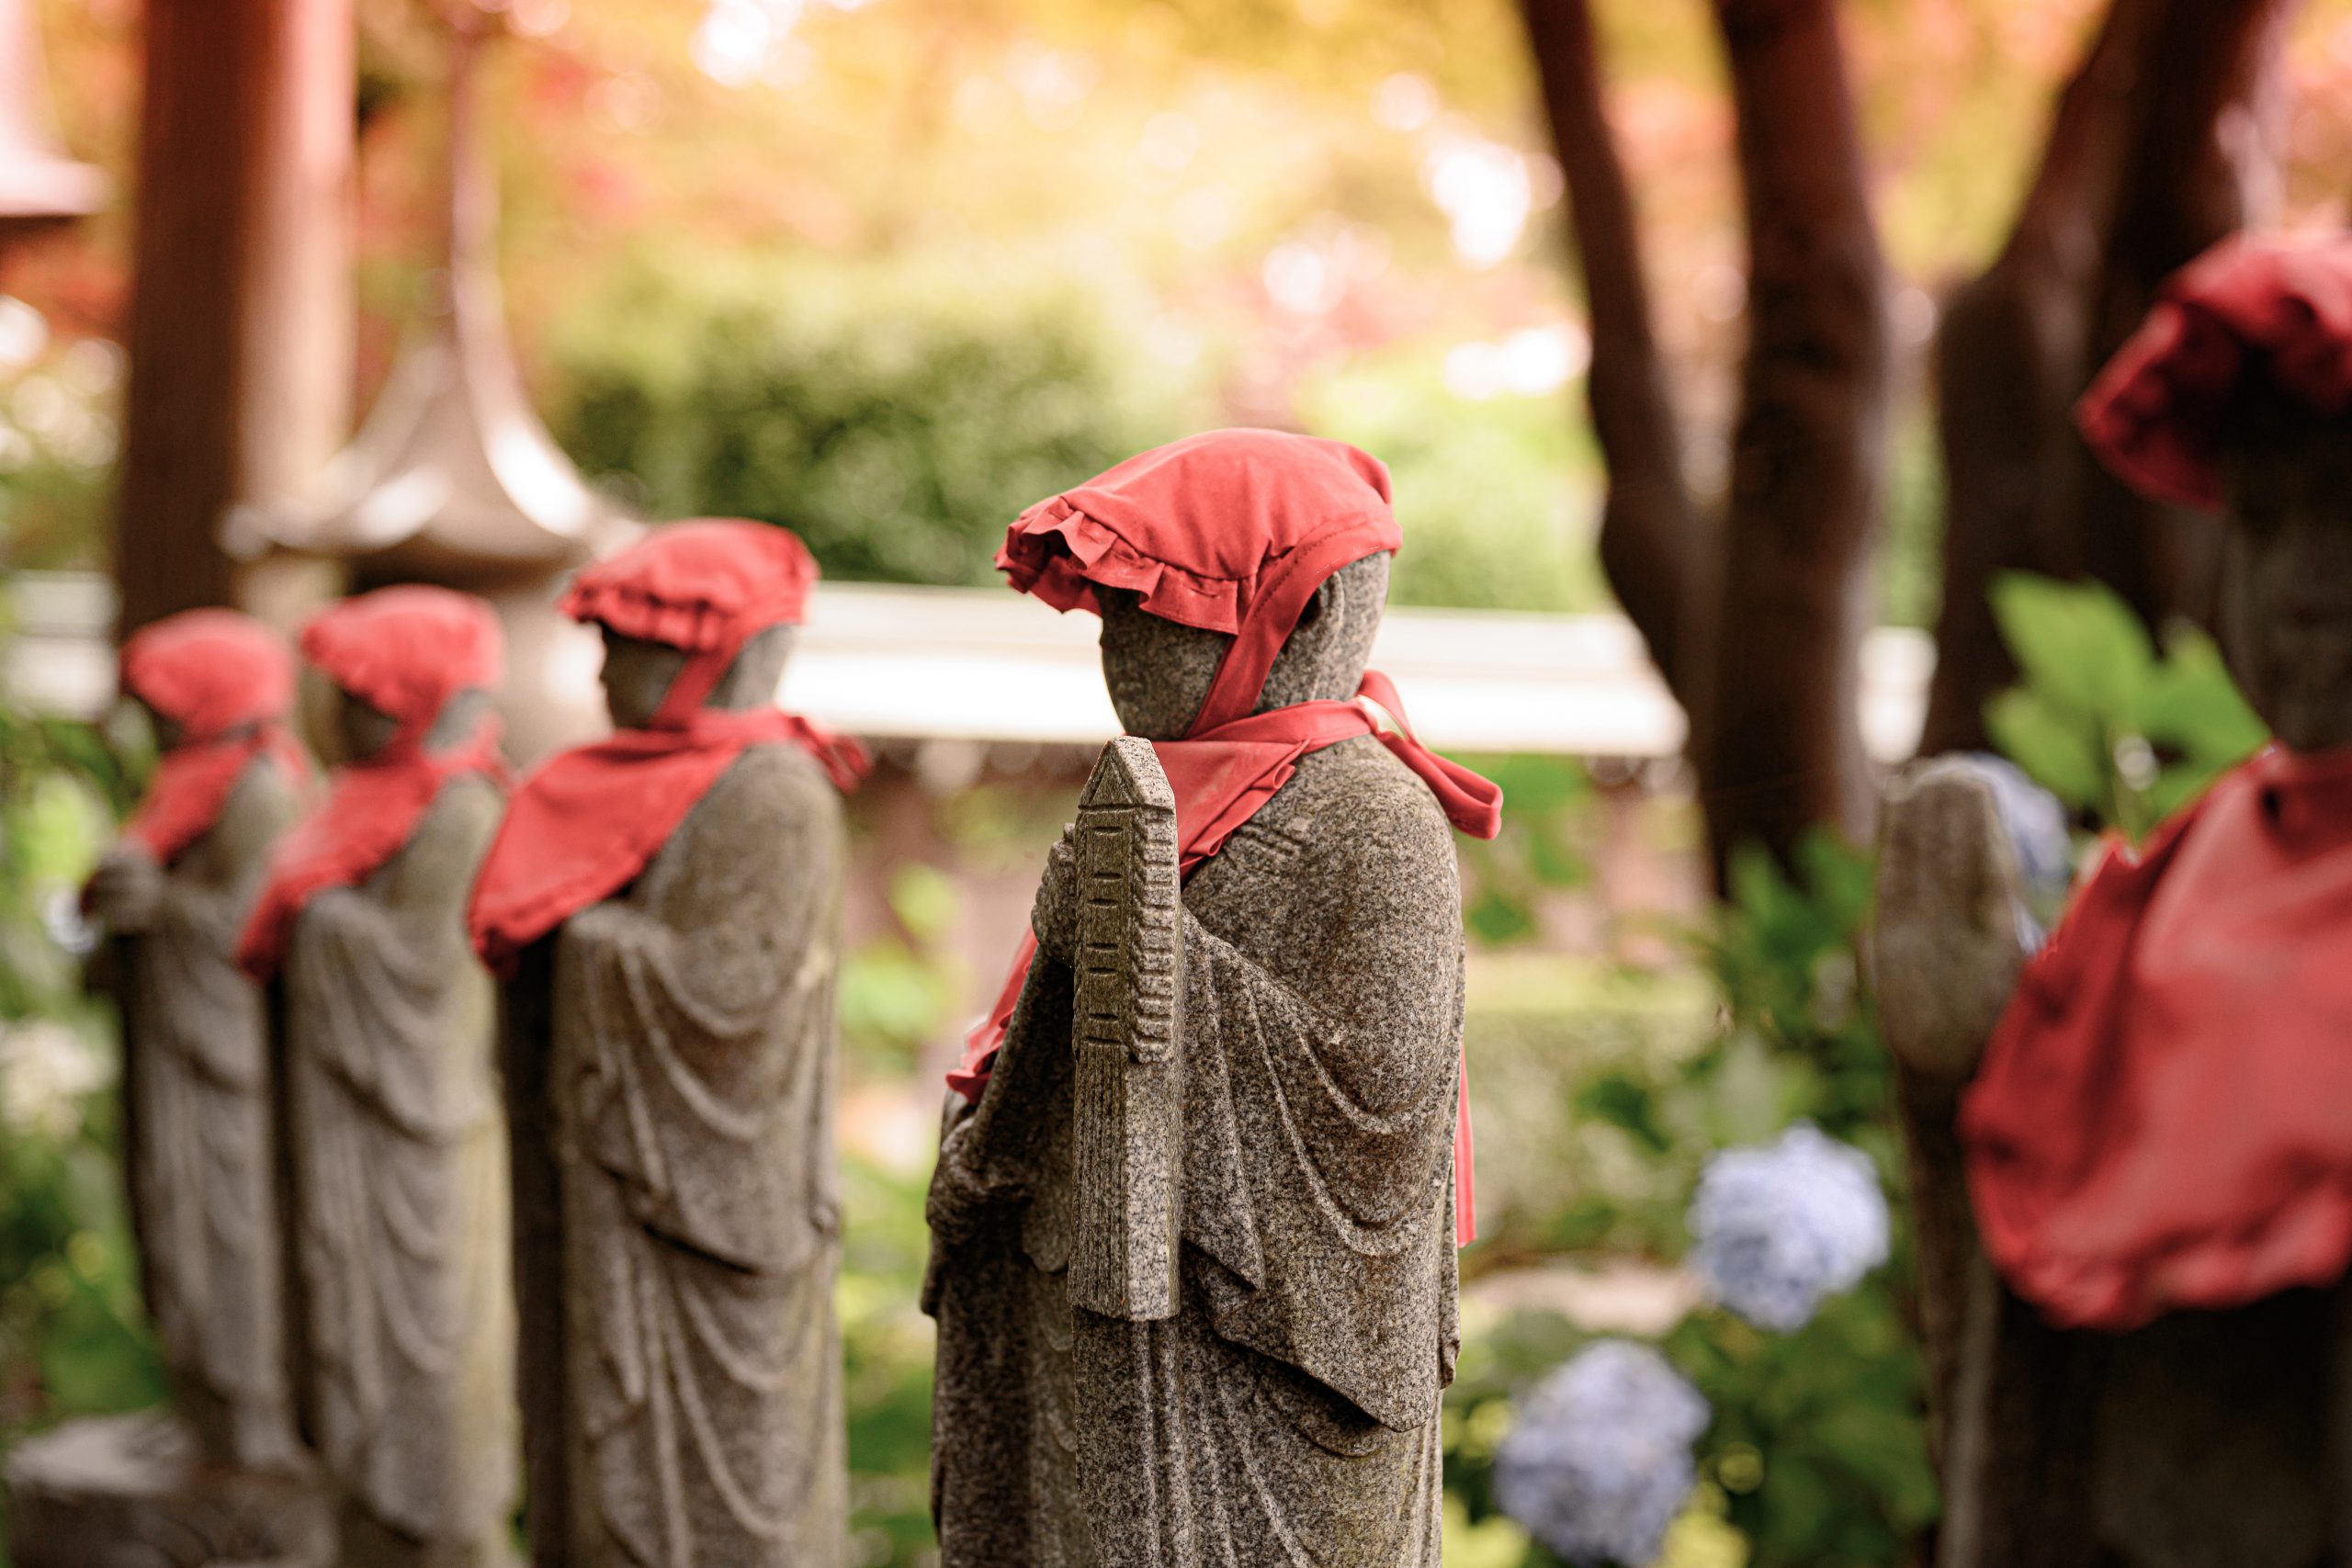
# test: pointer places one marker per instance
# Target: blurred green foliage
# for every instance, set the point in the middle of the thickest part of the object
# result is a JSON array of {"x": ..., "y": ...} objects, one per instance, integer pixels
[
  {"x": 2124, "y": 735},
  {"x": 897, "y": 418},
  {"x": 1543, "y": 847},
  {"x": 72, "y": 1335},
  {"x": 1497, "y": 497},
  {"x": 1817, "y": 1454}
]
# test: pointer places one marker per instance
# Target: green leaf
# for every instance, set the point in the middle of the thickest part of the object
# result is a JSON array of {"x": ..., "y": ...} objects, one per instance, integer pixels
[
  {"x": 2195, "y": 708},
  {"x": 2079, "y": 645},
  {"x": 2063, "y": 756}
]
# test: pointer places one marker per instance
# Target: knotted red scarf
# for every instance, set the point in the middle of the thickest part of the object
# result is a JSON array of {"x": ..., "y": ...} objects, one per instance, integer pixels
[
  {"x": 2163, "y": 1118},
  {"x": 584, "y": 824},
  {"x": 1233, "y": 531},
  {"x": 405, "y": 652},
  {"x": 2282, "y": 310},
  {"x": 226, "y": 681}
]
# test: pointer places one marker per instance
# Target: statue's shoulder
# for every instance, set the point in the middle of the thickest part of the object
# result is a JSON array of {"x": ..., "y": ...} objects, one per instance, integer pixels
[
  {"x": 469, "y": 798},
  {"x": 1357, "y": 800},
  {"x": 462, "y": 816},
  {"x": 769, "y": 784}
]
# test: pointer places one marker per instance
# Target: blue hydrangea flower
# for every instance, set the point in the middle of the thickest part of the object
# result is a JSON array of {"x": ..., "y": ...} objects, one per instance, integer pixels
[
  {"x": 2036, "y": 822},
  {"x": 1778, "y": 1228},
  {"x": 1599, "y": 1462}
]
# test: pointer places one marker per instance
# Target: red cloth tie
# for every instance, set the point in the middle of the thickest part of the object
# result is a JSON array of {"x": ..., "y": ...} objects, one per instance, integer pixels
[
  {"x": 2164, "y": 1117},
  {"x": 585, "y": 823}
]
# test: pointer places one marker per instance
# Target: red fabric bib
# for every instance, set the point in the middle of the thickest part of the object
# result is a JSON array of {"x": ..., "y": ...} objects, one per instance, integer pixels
[
  {"x": 227, "y": 682},
  {"x": 2163, "y": 1118},
  {"x": 405, "y": 652},
  {"x": 2245, "y": 306},
  {"x": 585, "y": 823},
  {"x": 1233, "y": 531}
]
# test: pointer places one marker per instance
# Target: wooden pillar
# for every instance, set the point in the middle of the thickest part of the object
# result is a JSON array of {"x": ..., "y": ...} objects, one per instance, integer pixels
[{"x": 240, "y": 331}]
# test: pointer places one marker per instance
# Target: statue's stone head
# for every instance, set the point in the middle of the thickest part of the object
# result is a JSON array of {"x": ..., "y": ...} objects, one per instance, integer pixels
[
  {"x": 638, "y": 675},
  {"x": 1159, "y": 671},
  {"x": 166, "y": 732},
  {"x": 362, "y": 731},
  {"x": 2285, "y": 585}
]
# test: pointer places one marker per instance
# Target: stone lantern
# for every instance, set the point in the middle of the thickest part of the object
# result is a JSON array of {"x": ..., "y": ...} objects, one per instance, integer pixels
[
  {"x": 40, "y": 184},
  {"x": 453, "y": 479}
]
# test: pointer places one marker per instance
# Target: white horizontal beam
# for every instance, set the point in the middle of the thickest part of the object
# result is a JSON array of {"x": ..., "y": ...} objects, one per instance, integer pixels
[{"x": 984, "y": 665}]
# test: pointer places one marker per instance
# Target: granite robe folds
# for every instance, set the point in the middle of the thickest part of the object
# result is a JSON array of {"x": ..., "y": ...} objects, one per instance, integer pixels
[
  {"x": 1293, "y": 1399},
  {"x": 201, "y": 1146},
  {"x": 1281, "y": 1407},
  {"x": 682, "y": 1378},
  {"x": 399, "y": 1154},
  {"x": 694, "y": 1077}
]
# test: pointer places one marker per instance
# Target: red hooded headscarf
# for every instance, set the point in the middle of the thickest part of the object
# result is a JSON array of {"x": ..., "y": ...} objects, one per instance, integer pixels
[
  {"x": 1232, "y": 531},
  {"x": 2163, "y": 1119},
  {"x": 405, "y": 652},
  {"x": 226, "y": 681},
  {"x": 584, "y": 825},
  {"x": 2246, "y": 307}
]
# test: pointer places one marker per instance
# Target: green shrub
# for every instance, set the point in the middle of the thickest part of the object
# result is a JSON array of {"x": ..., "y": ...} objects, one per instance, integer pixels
[
  {"x": 73, "y": 1337},
  {"x": 897, "y": 418},
  {"x": 1498, "y": 498}
]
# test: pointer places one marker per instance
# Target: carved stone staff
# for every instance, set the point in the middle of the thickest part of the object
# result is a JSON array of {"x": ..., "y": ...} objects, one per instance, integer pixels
[{"x": 1126, "y": 1030}]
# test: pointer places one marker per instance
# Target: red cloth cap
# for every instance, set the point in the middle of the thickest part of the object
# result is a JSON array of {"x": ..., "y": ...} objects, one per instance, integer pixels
[
  {"x": 1230, "y": 530},
  {"x": 707, "y": 587},
  {"x": 2246, "y": 307},
  {"x": 1193, "y": 525},
  {"x": 406, "y": 651},
  {"x": 226, "y": 681},
  {"x": 209, "y": 672},
  {"x": 698, "y": 585}
]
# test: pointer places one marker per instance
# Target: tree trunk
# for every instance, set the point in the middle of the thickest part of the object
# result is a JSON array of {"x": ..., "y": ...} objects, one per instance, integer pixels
[
  {"x": 2203, "y": 163},
  {"x": 240, "y": 320},
  {"x": 1780, "y": 750},
  {"x": 1755, "y": 621},
  {"x": 1652, "y": 549},
  {"x": 2162, "y": 142}
]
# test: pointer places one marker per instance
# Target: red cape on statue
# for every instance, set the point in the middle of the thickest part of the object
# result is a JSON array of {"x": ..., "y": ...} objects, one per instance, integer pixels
[
  {"x": 227, "y": 682},
  {"x": 2247, "y": 307},
  {"x": 2163, "y": 1118},
  {"x": 1232, "y": 532},
  {"x": 583, "y": 825},
  {"x": 405, "y": 652}
]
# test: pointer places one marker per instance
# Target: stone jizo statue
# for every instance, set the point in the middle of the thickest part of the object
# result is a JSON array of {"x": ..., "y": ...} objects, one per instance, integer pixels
[
  {"x": 1201, "y": 1179},
  {"x": 399, "y": 1158},
  {"x": 220, "y": 1475},
  {"x": 174, "y": 893},
  {"x": 2133, "y": 1150},
  {"x": 665, "y": 906}
]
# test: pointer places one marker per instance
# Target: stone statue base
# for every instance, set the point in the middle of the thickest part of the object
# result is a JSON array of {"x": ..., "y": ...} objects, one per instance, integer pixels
[{"x": 133, "y": 1491}]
